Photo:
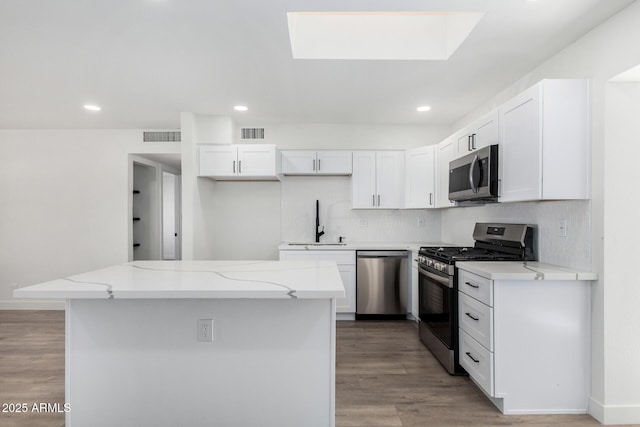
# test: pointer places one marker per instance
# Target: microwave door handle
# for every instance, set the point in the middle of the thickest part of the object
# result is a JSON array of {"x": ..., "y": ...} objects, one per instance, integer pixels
[{"x": 472, "y": 168}]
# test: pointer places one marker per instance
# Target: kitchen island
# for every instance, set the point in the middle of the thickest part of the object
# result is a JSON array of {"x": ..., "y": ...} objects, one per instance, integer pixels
[{"x": 199, "y": 343}]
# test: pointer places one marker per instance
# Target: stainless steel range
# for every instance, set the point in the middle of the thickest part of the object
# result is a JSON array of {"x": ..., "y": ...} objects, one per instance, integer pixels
[{"x": 438, "y": 282}]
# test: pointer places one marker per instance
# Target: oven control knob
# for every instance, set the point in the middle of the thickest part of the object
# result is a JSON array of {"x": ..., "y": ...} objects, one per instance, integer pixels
[{"x": 430, "y": 262}]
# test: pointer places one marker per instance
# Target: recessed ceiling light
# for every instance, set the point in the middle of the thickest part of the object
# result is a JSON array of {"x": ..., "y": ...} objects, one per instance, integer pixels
[
  {"x": 92, "y": 107},
  {"x": 423, "y": 108},
  {"x": 241, "y": 108}
]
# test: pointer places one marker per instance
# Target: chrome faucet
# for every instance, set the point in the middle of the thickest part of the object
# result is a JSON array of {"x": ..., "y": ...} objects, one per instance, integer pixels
[{"x": 318, "y": 231}]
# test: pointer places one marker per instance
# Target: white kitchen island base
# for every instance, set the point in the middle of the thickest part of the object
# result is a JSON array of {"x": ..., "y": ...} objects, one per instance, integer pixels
[
  {"x": 138, "y": 363},
  {"x": 133, "y": 355}
]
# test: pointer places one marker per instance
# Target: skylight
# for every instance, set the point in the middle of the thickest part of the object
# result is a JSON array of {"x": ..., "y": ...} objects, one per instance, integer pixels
[
  {"x": 379, "y": 35},
  {"x": 632, "y": 75}
]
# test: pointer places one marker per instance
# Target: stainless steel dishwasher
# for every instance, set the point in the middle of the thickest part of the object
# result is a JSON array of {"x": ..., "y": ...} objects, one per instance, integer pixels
[{"x": 381, "y": 284}]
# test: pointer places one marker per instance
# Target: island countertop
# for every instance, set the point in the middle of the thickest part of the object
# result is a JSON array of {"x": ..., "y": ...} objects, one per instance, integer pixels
[{"x": 197, "y": 279}]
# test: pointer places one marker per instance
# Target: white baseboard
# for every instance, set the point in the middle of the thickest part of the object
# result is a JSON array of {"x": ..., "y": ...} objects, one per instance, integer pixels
[
  {"x": 614, "y": 414},
  {"x": 32, "y": 305},
  {"x": 345, "y": 316}
]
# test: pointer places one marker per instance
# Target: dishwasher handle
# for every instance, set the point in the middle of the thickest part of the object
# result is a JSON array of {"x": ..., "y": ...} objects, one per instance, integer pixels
[{"x": 382, "y": 254}]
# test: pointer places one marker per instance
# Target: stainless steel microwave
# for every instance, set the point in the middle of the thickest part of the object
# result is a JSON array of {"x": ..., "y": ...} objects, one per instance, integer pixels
[{"x": 474, "y": 177}]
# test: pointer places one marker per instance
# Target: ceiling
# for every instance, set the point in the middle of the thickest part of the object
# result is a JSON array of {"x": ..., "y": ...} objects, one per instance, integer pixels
[{"x": 145, "y": 61}]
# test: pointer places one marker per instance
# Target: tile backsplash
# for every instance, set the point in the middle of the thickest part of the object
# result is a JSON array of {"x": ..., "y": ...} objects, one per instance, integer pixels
[
  {"x": 572, "y": 250},
  {"x": 454, "y": 225},
  {"x": 334, "y": 193}
]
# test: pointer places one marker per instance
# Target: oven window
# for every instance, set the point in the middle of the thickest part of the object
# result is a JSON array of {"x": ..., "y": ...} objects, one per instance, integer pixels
[{"x": 435, "y": 307}]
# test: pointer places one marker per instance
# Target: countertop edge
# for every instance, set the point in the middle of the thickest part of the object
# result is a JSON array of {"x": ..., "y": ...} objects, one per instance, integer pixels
[{"x": 515, "y": 270}]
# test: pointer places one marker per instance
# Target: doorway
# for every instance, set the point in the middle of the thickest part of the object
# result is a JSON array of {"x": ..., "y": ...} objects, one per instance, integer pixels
[{"x": 154, "y": 209}]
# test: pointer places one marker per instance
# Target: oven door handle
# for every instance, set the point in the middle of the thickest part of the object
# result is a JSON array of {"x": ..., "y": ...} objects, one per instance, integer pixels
[{"x": 441, "y": 280}]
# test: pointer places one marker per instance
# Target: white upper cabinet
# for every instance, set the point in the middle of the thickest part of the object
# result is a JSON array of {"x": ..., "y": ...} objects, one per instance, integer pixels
[
  {"x": 218, "y": 160},
  {"x": 479, "y": 134},
  {"x": 332, "y": 162},
  {"x": 378, "y": 179},
  {"x": 445, "y": 152},
  {"x": 323, "y": 162},
  {"x": 420, "y": 178},
  {"x": 238, "y": 161},
  {"x": 544, "y": 150}
]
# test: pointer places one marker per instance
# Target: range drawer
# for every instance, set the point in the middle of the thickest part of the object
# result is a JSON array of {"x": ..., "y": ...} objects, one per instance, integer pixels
[
  {"x": 478, "y": 361},
  {"x": 476, "y": 286},
  {"x": 476, "y": 319}
]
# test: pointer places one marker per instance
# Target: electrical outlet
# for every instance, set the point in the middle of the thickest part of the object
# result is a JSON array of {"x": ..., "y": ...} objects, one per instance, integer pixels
[
  {"x": 363, "y": 222},
  {"x": 562, "y": 228},
  {"x": 205, "y": 330},
  {"x": 420, "y": 221}
]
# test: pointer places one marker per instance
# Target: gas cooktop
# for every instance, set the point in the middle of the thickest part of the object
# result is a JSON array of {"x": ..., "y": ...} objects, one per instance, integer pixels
[{"x": 460, "y": 253}]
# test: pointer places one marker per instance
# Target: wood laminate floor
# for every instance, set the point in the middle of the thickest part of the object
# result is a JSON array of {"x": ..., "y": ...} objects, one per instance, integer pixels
[{"x": 385, "y": 377}]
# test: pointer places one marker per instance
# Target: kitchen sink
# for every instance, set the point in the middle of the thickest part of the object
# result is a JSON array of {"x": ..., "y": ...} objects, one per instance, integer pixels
[{"x": 317, "y": 244}]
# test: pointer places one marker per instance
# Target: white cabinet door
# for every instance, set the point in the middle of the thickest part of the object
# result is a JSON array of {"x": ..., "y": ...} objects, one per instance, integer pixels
[
  {"x": 390, "y": 179},
  {"x": 333, "y": 162},
  {"x": 256, "y": 160},
  {"x": 218, "y": 160},
  {"x": 486, "y": 131},
  {"x": 544, "y": 148},
  {"x": 298, "y": 162},
  {"x": 481, "y": 133},
  {"x": 420, "y": 178},
  {"x": 444, "y": 154},
  {"x": 520, "y": 151},
  {"x": 363, "y": 180},
  {"x": 462, "y": 144},
  {"x": 348, "y": 303}
]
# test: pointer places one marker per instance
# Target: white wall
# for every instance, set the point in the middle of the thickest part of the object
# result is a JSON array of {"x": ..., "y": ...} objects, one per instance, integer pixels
[
  {"x": 345, "y": 136},
  {"x": 334, "y": 193},
  {"x": 241, "y": 220},
  {"x": 64, "y": 205},
  {"x": 572, "y": 250},
  {"x": 604, "y": 52},
  {"x": 299, "y": 195},
  {"x": 621, "y": 214}
]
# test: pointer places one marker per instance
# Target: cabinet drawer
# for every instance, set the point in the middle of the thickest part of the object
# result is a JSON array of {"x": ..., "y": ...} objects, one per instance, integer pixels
[
  {"x": 476, "y": 319},
  {"x": 478, "y": 361},
  {"x": 476, "y": 286},
  {"x": 340, "y": 257}
]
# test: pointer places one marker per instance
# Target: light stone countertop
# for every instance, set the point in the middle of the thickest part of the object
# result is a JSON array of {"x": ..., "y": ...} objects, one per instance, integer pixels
[
  {"x": 516, "y": 270},
  {"x": 410, "y": 246},
  {"x": 197, "y": 279}
]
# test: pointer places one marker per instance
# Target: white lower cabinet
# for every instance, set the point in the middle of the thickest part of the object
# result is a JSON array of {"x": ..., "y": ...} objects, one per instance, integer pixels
[
  {"x": 477, "y": 361},
  {"x": 346, "y": 261},
  {"x": 526, "y": 343}
]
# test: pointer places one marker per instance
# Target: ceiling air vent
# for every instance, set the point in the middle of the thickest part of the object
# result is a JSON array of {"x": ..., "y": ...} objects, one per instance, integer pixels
[
  {"x": 252, "y": 133},
  {"x": 161, "y": 136}
]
